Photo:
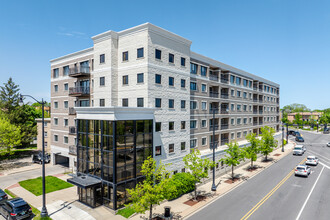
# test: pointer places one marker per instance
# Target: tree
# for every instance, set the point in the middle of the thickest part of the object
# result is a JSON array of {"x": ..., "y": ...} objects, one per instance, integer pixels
[
  {"x": 197, "y": 166},
  {"x": 153, "y": 189},
  {"x": 9, "y": 95},
  {"x": 297, "y": 119},
  {"x": 295, "y": 107},
  {"x": 285, "y": 117},
  {"x": 10, "y": 135},
  {"x": 268, "y": 142},
  {"x": 251, "y": 152},
  {"x": 234, "y": 156}
]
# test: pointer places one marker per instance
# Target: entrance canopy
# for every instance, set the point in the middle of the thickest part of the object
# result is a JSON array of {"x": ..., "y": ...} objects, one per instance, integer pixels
[{"x": 84, "y": 181}]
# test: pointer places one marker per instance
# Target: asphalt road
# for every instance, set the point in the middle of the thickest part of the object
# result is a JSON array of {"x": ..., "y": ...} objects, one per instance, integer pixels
[{"x": 276, "y": 193}]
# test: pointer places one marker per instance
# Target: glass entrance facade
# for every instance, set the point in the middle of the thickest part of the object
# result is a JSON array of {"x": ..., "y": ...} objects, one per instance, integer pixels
[{"x": 112, "y": 151}]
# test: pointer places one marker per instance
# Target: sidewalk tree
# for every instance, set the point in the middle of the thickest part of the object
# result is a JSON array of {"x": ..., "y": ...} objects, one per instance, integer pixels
[
  {"x": 197, "y": 166},
  {"x": 153, "y": 189},
  {"x": 251, "y": 152},
  {"x": 268, "y": 142},
  {"x": 234, "y": 156},
  {"x": 10, "y": 135}
]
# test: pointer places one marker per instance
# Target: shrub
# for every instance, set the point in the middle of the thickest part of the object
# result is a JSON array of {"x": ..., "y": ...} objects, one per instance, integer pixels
[{"x": 183, "y": 182}]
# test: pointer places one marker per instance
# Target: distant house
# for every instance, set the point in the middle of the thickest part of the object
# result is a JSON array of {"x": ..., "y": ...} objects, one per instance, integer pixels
[
  {"x": 305, "y": 116},
  {"x": 47, "y": 128}
]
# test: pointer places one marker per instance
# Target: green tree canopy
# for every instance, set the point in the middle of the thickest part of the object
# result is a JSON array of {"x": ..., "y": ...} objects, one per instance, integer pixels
[
  {"x": 9, "y": 95},
  {"x": 268, "y": 142},
  {"x": 298, "y": 119},
  {"x": 10, "y": 135},
  {"x": 234, "y": 156},
  {"x": 295, "y": 107},
  {"x": 197, "y": 166},
  {"x": 251, "y": 152}
]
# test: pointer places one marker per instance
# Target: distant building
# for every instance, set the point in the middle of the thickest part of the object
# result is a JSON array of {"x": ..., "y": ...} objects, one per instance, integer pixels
[
  {"x": 46, "y": 108},
  {"x": 47, "y": 134},
  {"x": 305, "y": 116}
]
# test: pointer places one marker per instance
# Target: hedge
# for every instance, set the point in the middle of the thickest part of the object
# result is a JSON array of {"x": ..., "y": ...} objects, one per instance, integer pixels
[{"x": 183, "y": 182}]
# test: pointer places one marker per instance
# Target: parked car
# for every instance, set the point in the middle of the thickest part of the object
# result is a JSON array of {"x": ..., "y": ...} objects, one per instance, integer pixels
[
  {"x": 302, "y": 170},
  {"x": 304, "y": 148},
  {"x": 328, "y": 144},
  {"x": 37, "y": 158},
  {"x": 299, "y": 139},
  {"x": 298, "y": 150},
  {"x": 15, "y": 209},
  {"x": 292, "y": 132},
  {"x": 298, "y": 134},
  {"x": 326, "y": 131},
  {"x": 3, "y": 196},
  {"x": 312, "y": 160}
]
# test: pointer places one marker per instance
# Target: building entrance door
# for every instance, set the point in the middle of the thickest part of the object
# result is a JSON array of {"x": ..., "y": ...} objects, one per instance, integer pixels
[{"x": 91, "y": 196}]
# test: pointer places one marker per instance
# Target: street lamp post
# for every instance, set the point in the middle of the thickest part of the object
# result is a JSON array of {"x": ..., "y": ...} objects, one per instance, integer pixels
[
  {"x": 44, "y": 212},
  {"x": 214, "y": 188},
  {"x": 283, "y": 137}
]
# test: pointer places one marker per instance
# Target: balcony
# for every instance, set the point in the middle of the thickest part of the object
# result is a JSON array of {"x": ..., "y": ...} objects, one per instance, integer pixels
[
  {"x": 261, "y": 112},
  {"x": 214, "y": 143},
  {"x": 255, "y": 112},
  {"x": 224, "y": 126},
  {"x": 72, "y": 111},
  {"x": 255, "y": 123},
  {"x": 255, "y": 100},
  {"x": 255, "y": 88},
  {"x": 79, "y": 71},
  {"x": 260, "y": 123},
  {"x": 73, "y": 150},
  {"x": 224, "y": 111},
  {"x": 224, "y": 95},
  {"x": 224, "y": 141},
  {"x": 216, "y": 110},
  {"x": 214, "y": 78},
  {"x": 79, "y": 91},
  {"x": 261, "y": 101},
  {"x": 214, "y": 94},
  {"x": 216, "y": 127},
  {"x": 224, "y": 80},
  {"x": 72, "y": 130}
]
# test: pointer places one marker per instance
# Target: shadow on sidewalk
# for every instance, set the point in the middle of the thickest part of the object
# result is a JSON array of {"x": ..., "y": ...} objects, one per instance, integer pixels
[{"x": 65, "y": 205}]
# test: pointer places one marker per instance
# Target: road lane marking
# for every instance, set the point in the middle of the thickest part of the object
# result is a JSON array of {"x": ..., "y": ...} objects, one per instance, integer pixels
[
  {"x": 319, "y": 155},
  {"x": 247, "y": 215},
  {"x": 310, "y": 193},
  {"x": 324, "y": 165}
]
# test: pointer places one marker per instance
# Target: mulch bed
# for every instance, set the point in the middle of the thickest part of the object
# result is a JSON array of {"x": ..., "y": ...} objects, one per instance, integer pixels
[
  {"x": 252, "y": 169},
  {"x": 192, "y": 202},
  {"x": 276, "y": 155},
  {"x": 157, "y": 218},
  {"x": 230, "y": 181}
]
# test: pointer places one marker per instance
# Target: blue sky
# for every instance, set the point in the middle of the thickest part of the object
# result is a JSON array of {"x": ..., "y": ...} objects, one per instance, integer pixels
[{"x": 287, "y": 42}]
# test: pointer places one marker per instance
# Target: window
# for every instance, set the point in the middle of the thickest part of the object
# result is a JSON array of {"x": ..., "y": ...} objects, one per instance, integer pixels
[
  {"x": 158, "y": 150},
  {"x": 158, "y": 54},
  {"x": 183, "y": 103},
  {"x": 102, "y": 81},
  {"x": 232, "y": 92},
  {"x": 66, "y": 104},
  {"x": 183, "y": 125},
  {"x": 232, "y": 107},
  {"x": 238, "y": 81},
  {"x": 55, "y": 137},
  {"x": 125, "y": 56},
  {"x": 171, "y": 148},
  {"x": 140, "y": 102},
  {"x": 102, "y": 102},
  {"x": 183, "y": 61},
  {"x": 102, "y": 58},
  {"x": 171, "y": 125},
  {"x": 239, "y": 108},
  {"x": 244, "y": 133},
  {"x": 232, "y": 121},
  {"x": 193, "y": 143},
  {"x": 66, "y": 71},
  {"x": 238, "y": 134},
  {"x": 245, "y": 108},
  {"x": 66, "y": 86},
  {"x": 238, "y": 121},
  {"x": 158, "y": 126},
  {"x": 56, "y": 88},
  {"x": 193, "y": 104},
  {"x": 140, "y": 53},
  {"x": 245, "y": 121},
  {"x": 125, "y": 80},
  {"x": 193, "y": 86},
  {"x": 55, "y": 121},
  {"x": 55, "y": 73},
  {"x": 245, "y": 83},
  {"x": 193, "y": 124},
  {"x": 204, "y": 105},
  {"x": 158, "y": 79},
  {"x": 171, "y": 103},
  {"x": 203, "y": 87},
  {"x": 158, "y": 102},
  {"x": 140, "y": 78},
  {"x": 171, "y": 58},
  {"x": 66, "y": 140},
  {"x": 193, "y": 68},
  {"x": 183, "y": 83},
  {"x": 232, "y": 136},
  {"x": 238, "y": 93},
  {"x": 124, "y": 102},
  {"x": 66, "y": 122},
  {"x": 244, "y": 95},
  {"x": 183, "y": 170},
  {"x": 171, "y": 81},
  {"x": 232, "y": 79},
  {"x": 203, "y": 123},
  {"x": 204, "y": 141},
  {"x": 45, "y": 133},
  {"x": 55, "y": 104},
  {"x": 183, "y": 145},
  {"x": 203, "y": 70}
]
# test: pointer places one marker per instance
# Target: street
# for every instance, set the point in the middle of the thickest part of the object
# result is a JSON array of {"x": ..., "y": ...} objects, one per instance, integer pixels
[{"x": 276, "y": 193}]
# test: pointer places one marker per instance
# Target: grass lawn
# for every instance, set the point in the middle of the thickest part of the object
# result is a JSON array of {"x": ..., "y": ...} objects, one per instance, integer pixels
[
  {"x": 126, "y": 212},
  {"x": 52, "y": 184}
]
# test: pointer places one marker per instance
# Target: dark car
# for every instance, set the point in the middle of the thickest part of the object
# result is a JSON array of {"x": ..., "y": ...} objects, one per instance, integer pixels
[
  {"x": 3, "y": 196},
  {"x": 297, "y": 134},
  {"x": 299, "y": 139},
  {"x": 37, "y": 158},
  {"x": 292, "y": 132},
  {"x": 16, "y": 209}
]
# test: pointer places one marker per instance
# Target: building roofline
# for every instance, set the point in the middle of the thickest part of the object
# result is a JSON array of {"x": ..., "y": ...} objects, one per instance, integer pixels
[{"x": 78, "y": 53}]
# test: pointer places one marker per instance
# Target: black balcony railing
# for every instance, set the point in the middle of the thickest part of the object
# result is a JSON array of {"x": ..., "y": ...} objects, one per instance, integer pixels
[
  {"x": 214, "y": 94},
  {"x": 214, "y": 77},
  {"x": 255, "y": 112},
  {"x": 224, "y": 80},
  {"x": 73, "y": 150},
  {"x": 216, "y": 127},
  {"x": 255, "y": 123},
  {"x": 260, "y": 112},
  {"x": 224, "y": 95},
  {"x": 255, "y": 88},
  {"x": 79, "y": 71},
  {"x": 224, "y": 126},
  {"x": 214, "y": 143},
  {"x": 255, "y": 100},
  {"x": 216, "y": 110},
  {"x": 79, "y": 91},
  {"x": 260, "y": 123},
  {"x": 224, "y": 111},
  {"x": 224, "y": 141},
  {"x": 72, "y": 111},
  {"x": 72, "y": 130}
]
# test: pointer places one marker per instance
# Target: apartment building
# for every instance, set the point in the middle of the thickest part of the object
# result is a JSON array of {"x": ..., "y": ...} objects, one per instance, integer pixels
[
  {"x": 47, "y": 134},
  {"x": 142, "y": 92}
]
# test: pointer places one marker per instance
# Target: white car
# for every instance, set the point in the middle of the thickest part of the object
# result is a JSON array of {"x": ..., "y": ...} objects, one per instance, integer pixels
[
  {"x": 302, "y": 170},
  {"x": 298, "y": 150},
  {"x": 328, "y": 144},
  {"x": 312, "y": 160}
]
